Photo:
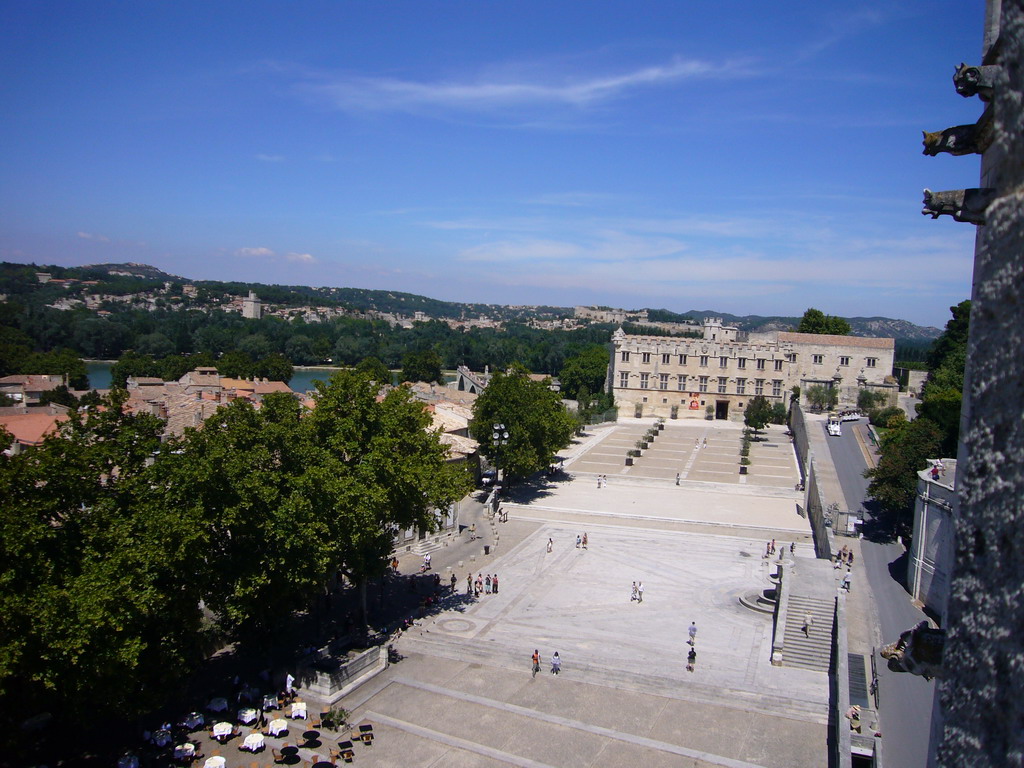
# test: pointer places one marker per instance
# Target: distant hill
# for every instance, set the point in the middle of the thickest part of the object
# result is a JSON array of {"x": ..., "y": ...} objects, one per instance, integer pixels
[
  {"x": 878, "y": 327},
  {"x": 130, "y": 269}
]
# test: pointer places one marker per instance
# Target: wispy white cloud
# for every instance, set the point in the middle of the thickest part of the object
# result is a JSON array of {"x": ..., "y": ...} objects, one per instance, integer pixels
[
  {"x": 522, "y": 250},
  {"x": 493, "y": 91},
  {"x": 571, "y": 199},
  {"x": 258, "y": 251},
  {"x": 270, "y": 158},
  {"x": 304, "y": 258},
  {"x": 93, "y": 236}
]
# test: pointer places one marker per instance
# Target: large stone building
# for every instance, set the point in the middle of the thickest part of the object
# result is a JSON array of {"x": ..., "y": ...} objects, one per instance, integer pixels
[{"x": 676, "y": 377}]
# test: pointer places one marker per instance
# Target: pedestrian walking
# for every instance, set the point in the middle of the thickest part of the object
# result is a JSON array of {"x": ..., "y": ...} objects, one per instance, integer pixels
[
  {"x": 705, "y": 445},
  {"x": 550, "y": 544},
  {"x": 696, "y": 443},
  {"x": 846, "y": 581},
  {"x": 494, "y": 584},
  {"x": 632, "y": 595},
  {"x": 849, "y": 558},
  {"x": 773, "y": 546},
  {"x": 556, "y": 664},
  {"x": 469, "y": 584},
  {"x": 639, "y": 591},
  {"x": 584, "y": 540},
  {"x": 792, "y": 547},
  {"x": 536, "y": 662},
  {"x": 808, "y": 623},
  {"x": 579, "y": 541},
  {"x": 677, "y": 478},
  {"x": 691, "y": 660},
  {"x": 472, "y": 532},
  {"x": 693, "y": 633},
  {"x": 768, "y": 549},
  {"x": 487, "y": 584},
  {"x": 454, "y": 582}
]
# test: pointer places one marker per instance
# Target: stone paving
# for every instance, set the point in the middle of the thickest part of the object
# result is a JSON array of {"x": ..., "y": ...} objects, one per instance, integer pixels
[{"x": 464, "y": 695}]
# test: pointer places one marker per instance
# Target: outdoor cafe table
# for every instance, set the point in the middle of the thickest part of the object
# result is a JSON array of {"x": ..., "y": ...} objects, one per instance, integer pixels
[
  {"x": 193, "y": 720},
  {"x": 299, "y": 710},
  {"x": 269, "y": 702},
  {"x": 128, "y": 761},
  {"x": 253, "y": 742},
  {"x": 277, "y": 727},
  {"x": 214, "y": 762},
  {"x": 247, "y": 716},
  {"x": 162, "y": 738},
  {"x": 220, "y": 704},
  {"x": 185, "y": 751},
  {"x": 221, "y": 730}
]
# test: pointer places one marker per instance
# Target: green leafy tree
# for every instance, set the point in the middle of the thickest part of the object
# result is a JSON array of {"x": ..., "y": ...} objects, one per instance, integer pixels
[
  {"x": 822, "y": 398},
  {"x": 534, "y": 417},
  {"x": 779, "y": 413},
  {"x": 905, "y": 450},
  {"x": 275, "y": 367},
  {"x": 816, "y": 321},
  {"x": 758, "y": 413},
  {"x": 868, "y": 400},
  {"x": 424, "y": 365},
  {"x": 374, "y": 369},
  {"x": 236, "y": 365},
  {"x": 132, "y": 364},
  {"x": 377, "y": 468},
  {"x": 953, "y": 337},
  {"x": 941, "y": 397},
  {"x": 587, "y": 369}
]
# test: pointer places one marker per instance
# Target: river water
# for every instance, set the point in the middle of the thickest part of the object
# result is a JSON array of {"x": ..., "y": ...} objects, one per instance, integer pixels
[{"x": 301, "y": 381}]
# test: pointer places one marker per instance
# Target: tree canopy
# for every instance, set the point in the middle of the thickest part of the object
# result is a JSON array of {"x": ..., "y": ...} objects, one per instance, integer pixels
[
  {"x": 816, "y": 321},
  {"x": 588, "y": 368},
  {"x": 534, "y": 417},
  {"x": 758, "y": 413},
  {"x": 905, "y": 449}
]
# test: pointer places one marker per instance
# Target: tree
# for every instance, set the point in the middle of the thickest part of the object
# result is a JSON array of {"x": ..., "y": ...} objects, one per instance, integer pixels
[
  {"x": 758, "y": 413},
  {"x": 942, "y": 393},
  {"x": 822, "y": 398},
  {"x": 587, "y": 369},
  {"x": 376, "y": 468},
  {"x": 779, "y": 413},
  {"x": 375, "y": 370},
  {"x": 868, "y": 400},
  {"x": 953, "y": 337},
  {"x": 534, "y": 417},
  {"x": 424, "y": 365},
  {"x": 275, "y": 367},
  {"x": 816, "y": 321},
  {"x": 905, "y": 450}
]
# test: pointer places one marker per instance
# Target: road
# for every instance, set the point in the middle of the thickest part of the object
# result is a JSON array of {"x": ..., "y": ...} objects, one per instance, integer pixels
[{"x": 905, "y": 700}]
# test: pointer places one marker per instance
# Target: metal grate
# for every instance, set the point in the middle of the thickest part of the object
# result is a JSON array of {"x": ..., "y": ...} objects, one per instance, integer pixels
[{"x": 858, "y": 680}]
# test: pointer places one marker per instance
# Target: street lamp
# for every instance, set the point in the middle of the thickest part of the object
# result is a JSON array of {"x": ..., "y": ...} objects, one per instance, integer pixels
[{"x": 499, "y": 437}]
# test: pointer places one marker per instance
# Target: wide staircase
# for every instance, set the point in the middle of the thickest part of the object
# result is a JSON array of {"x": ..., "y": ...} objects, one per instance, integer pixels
[{"x": 813, "y": 649}]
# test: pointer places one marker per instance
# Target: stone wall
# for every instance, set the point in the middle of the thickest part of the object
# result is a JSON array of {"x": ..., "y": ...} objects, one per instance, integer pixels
[{"x": 982, "y": 719}]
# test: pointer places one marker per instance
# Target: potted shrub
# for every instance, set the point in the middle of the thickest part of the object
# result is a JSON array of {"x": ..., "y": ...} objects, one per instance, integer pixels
[{"x": 709, "y": 412}]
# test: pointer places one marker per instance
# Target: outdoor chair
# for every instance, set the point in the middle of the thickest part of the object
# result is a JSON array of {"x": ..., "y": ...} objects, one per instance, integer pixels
[
  {"x": 278, "y": 757},
  {"x": 347, "y": 753},
  {"x": 366, "y": 733}
]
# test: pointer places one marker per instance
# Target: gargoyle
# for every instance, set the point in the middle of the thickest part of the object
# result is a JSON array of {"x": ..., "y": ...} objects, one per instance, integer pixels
[
  {"x": 918, "y": 651},
  {"x": 975, "y": 81},
  {"x": 962, "y": 204},
  {"x": 958, "y": 140}
]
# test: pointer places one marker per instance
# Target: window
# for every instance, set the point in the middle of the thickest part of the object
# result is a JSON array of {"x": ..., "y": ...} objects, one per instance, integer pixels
[
  {"x": 625, "y": 356},
  {"x": 721, "y": 384},
  {"x": 723, "y": 362},
  {"x": 643, "y": 380},
  {"x": 817, "y": 359},
  {"x": 682, "y": 359},
  {"x": 681, "y": 385},
  {"x": 741, "y": 386},
  {"x": 791, "y": 357},
  {"x": 778, "y": 365},
  {"x": 741, "y": 362},
  {"x": 645, "y": 357},
  {"x": 758, "y": 386},
  {"x": 777, "y": 388},
  {"x": 872, "y": 362},
  {"x": 760, "y": 363},
  {"x": 703, "y": 384},
  {"x": 844, "y": 361},
  {"x": 665, "y": 359},
  {"x": 663, "y": 384},
  {"x": 623, "y": 378},
  {"x": 703, "y": 361}
]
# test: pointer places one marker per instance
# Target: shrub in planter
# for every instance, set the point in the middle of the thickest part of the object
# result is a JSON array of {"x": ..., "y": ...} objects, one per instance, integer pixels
[{"x": 745, "y": 461}]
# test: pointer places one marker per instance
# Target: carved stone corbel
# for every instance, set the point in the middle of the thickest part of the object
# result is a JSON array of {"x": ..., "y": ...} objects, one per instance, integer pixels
[
  {"x": 958, "y": 140},
  {"x": 962, "y": 204},
  {"x": 975, "y": 81}
]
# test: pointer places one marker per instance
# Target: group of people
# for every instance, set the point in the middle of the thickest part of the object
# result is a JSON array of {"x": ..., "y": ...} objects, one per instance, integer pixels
[
  {"x": 638, "y": 592},
  {"x": 602, "y": 481},
  {"x": 556, "y": 662},
  {"x": 845, "y": 557},
  {"x": 483, "y": 585},
  {"x": 770, "y": 549},
  {"x": 581, "y": 541}
]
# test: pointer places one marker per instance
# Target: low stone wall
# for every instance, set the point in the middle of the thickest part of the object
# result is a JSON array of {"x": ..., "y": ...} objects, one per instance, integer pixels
[{"x": 332, "y": 683}]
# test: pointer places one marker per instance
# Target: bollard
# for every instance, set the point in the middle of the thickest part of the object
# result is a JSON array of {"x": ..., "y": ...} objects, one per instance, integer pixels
[
  {"x": 472, "y": 558},
  {"x": 460, "y": 564}
]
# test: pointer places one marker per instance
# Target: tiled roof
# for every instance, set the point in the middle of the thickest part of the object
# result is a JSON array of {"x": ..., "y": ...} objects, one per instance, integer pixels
[
  {"x": 273, "y": 386},
  {"x": 824, "y": 339},
  {"x": 30, "y": 428}
]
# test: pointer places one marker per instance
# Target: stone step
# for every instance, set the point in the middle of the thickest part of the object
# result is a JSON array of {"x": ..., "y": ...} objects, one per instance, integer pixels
[{"x": 813, "y": 651}]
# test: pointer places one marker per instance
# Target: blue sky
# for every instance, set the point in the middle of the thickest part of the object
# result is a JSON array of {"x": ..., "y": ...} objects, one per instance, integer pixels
[{"x": 739, "y": 156}]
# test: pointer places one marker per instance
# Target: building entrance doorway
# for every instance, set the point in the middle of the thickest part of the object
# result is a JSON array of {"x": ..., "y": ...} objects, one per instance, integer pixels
[{"x": 721, "y": 409}]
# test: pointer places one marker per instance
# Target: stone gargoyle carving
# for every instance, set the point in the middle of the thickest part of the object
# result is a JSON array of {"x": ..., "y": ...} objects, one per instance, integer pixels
[
  {"x": 918, "y": 651},
  {"x": 958, "y": 140},
  {"x": 975, "y": 81},
  {"x": 962, "y": 204}
]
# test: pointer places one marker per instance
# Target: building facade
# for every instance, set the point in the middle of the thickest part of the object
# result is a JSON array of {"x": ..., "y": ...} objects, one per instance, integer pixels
[
  {"x": 674, "y": 377},
  {"x": 930, "y": 564}
]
